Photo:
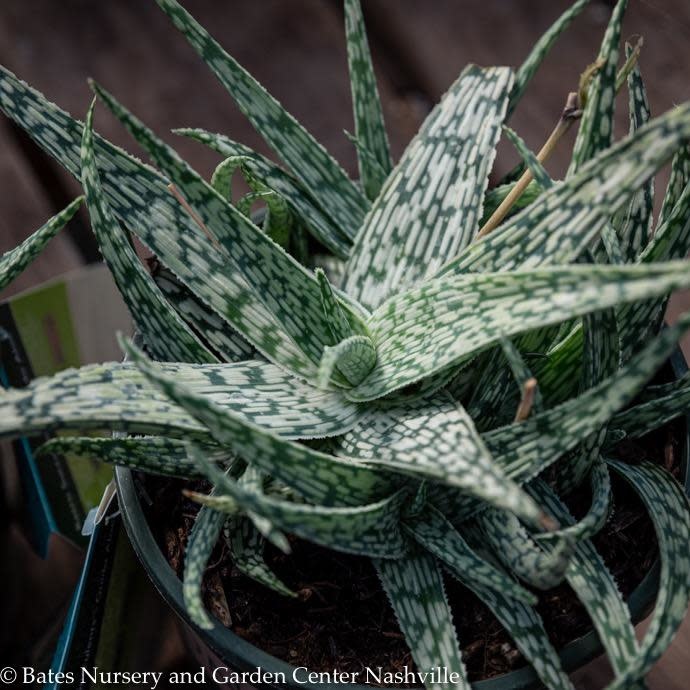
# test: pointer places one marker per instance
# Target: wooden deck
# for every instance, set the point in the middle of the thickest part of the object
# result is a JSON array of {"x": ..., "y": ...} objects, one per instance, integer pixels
[{"x": 297, "y": 50}]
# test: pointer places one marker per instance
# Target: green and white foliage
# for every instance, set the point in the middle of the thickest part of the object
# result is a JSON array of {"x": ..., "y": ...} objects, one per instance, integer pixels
[
  {"x": 416, "y": 591},
  {"x": 430, "y": 206},
  {"x": 13, "y": 262},
  {"x": 372, "y": 141},
  {"x": 596, "y": 129},
  {"x": 167, "y": 336},
  {"x": 372, "y": 389},
  {"x": 202, "y": 540}
]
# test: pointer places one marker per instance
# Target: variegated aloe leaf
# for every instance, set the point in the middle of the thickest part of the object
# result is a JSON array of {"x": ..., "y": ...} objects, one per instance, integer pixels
[
  {"x": 167, "y": 336},
  {"x": 437, "y": 535},
  {"x": 541, "y": 177},
  {"x": 305, "y": 208},
  {"x": 317, "y": 476},
  {"x": 252, "y": 480},
  {"x": 636, "y": 322},
  {"x": 540, "y": 50},
  {"x": 596, "y": 127},
  {"x": 526, "y": 628},
  {"x": 155, "y": 454},
  {"x": 229, "y": 345},
  {"x": 667, "y": 505},
  {"x": 284, "y": 286},
  {"x": 353, "y": 358},
  {"x": 521, "y": 372},
  {"x": 202, "y": 540},
  {"x": 668, "y": 402},
  {"x": 596, "y": 516},
  {"x": 340, "y": 326},
  {"x": 448, "y": 320},
  {"x": 306, "y": 158},
  {"x": 277, "y": 221},
  {"x": 246, "y": 546},
  {"x": 636, "y": 224},
  {"x": 678, "y": 181},
  {"x": 118, "y": 397},
  {"x": 562, "y": 222},
  {"x": 13, "y": 262},
  {"x": 370, "y": 129},
  {"x": 140, "y": 198},
  {"x": 600, "y": 359},
  {"x": 431, "y": 204},
  {"x": 639, "y": 321},
  {"x": 514, "y": 547},
  {"x": 416, "y": 592},
  {"x": 597, "y": 590},
  {"x": 525, "y": 449},
  {"x": 435, "y": 439},
  {"x": 369, "y": 530},
  {"x": 524, "y": 625}
]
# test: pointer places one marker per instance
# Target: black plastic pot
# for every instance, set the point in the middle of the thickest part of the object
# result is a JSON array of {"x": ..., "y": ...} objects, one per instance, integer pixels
[{"x": 221, "y": 647}]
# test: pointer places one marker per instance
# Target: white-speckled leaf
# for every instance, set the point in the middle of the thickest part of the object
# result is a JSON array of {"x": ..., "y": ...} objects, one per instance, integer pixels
[
  {"x": 634, "y": 228},
  {"x": 367, "y": 530},
  {"x": 597, "y": 590},
  {"x": 430, "y": 206},
  {"x": 318, "y": 477},
  {"x": 118, "y": 397},
  {"x": 13, "y": 262},
  {"x": 167, "y": 336},
  {"x": 435, "y": 439},
  {"x": 525, "y": 449},
  {"x": 596, "y": 126},
  {"x": 449, "y": 320},
  {"x": 305, "y": 157},
  {"x": 437, "y": 535},
  {"x": 154, "y": 454},
  {"x": 140, "y": 197},
  {"x": 202, "y": 540},
  {"x": 563, "y": 221},
  {"x": 668, "y": 508},
  {"x": 515, "y": 548},
  {"x": 302, "y": 205},
  {"x": 416, "y": 592},
  {"x": 283, "y": 285},
  {"x": 370, "y": 129},
  {"x": 540, "y": 50}
]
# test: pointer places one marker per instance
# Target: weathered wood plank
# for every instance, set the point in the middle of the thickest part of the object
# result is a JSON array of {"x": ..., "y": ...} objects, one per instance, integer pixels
[{"x": 444, "y": 35}]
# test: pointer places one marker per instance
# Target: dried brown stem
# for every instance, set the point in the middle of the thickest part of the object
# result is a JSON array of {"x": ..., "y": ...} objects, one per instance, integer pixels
[
  {"x": 571, "y": 112},
  {"x": 529, "y": 390}
]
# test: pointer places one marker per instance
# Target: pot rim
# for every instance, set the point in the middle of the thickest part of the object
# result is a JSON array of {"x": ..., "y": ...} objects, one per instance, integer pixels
[{"x": 241, "y": 655}]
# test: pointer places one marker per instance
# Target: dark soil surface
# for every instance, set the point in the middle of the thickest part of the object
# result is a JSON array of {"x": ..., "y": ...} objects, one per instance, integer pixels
[{"x": 342, "y": 619}]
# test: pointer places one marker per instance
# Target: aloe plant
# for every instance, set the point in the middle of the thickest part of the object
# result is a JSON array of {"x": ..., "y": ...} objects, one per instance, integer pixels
[{"x": 349, "y": 370}]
